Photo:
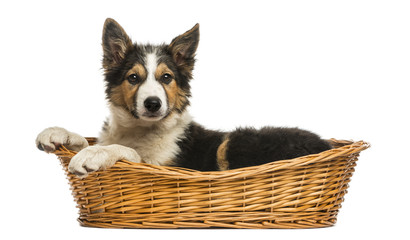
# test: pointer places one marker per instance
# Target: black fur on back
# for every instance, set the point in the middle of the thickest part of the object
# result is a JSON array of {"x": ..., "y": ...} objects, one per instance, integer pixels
[
  {"x": 249, "y": 147},
  {"x": 246, "y": 146}
]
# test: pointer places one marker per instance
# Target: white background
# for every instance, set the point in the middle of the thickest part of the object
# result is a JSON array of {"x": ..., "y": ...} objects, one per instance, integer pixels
[{"x": 338, "y": 68}]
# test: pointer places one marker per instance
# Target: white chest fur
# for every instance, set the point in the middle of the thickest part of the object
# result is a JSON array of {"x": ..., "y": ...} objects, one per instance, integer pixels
[{"x": 156, "y": 143}]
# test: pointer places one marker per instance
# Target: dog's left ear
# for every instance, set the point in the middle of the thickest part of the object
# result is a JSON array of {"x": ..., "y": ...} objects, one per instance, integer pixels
[{"x": 184, "y": 46}]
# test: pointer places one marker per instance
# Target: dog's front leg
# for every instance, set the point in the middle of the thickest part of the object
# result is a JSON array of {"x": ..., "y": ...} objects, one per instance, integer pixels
[{"x": 97, "y": 157}]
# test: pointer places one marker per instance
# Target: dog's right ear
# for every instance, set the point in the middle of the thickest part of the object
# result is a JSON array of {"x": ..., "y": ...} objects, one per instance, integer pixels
[{"x": 115, "y": 43}]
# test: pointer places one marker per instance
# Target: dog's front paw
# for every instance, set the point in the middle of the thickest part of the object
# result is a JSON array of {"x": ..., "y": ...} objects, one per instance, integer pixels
[
  {"x": 94, "y": 158},
  {"x": 50, "y": 139}
]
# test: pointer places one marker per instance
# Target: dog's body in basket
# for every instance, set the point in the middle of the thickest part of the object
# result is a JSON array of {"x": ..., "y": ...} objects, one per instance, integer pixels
[{"x": 148, "y": 92}]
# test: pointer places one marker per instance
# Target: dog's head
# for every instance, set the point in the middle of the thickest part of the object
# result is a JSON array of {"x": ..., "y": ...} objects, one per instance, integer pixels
[{"x": 149, "y": 82}]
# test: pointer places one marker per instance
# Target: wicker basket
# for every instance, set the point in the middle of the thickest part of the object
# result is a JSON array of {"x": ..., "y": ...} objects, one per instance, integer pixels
[{"x": 305, "y": 192}]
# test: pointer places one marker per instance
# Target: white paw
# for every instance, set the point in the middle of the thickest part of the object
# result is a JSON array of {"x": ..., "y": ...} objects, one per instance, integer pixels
[
  {"x": 94, "y": 158},
  {"x": 50, "y": 139}
]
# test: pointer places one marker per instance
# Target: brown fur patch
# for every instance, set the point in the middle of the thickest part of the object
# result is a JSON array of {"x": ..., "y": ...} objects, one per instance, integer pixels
[
  {"x": 139, "y": 70},
  {"x": 124, "y": 94},
  {"x": 176, "y": 97},
  {"x": 222, "y": 162},
  {"x": 162, "y": 69}
]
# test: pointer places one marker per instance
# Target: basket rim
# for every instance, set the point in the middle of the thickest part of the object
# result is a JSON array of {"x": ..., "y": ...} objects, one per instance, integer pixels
[{"x": 346, "y": 148}]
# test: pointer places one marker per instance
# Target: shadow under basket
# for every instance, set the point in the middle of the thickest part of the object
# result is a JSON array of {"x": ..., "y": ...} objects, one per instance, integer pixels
[{"x": 304, "y": 192}]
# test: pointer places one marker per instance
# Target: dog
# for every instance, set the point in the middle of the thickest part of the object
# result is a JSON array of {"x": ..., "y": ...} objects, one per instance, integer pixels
[{"x": 148, "y": 91}]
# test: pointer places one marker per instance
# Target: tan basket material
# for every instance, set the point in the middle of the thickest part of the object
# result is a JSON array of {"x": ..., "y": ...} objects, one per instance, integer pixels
[{"x": 304, "y": 192}]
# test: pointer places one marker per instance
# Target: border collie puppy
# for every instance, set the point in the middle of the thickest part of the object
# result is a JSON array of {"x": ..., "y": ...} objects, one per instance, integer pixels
[{"x": 147, "y": 88}]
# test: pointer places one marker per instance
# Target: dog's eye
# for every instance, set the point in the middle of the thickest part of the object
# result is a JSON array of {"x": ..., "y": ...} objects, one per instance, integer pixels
[
  {"x": 134, "y": 79},
  {"x": 166, "y": 78}
]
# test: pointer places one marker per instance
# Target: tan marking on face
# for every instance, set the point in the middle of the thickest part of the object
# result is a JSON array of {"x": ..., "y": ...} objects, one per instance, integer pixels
[
  {"x": 139, "y": 70},
  {"x": 176, "y": 96},
  {"x": 124, "y": 94},
  {"x": 222, "y": 161},
  {"x": 161, "y": 70}
]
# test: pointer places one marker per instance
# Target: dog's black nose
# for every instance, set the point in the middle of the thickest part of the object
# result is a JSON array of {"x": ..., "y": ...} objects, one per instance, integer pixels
[{"x": 152, "y": 104}]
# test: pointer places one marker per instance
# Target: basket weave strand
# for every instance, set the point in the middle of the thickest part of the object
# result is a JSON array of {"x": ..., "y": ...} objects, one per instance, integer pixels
[{"x": 304, "y": 192}]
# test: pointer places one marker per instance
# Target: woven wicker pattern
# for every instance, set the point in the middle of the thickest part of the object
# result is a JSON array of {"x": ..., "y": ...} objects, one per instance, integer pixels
[{"x": 305, "y": 192}]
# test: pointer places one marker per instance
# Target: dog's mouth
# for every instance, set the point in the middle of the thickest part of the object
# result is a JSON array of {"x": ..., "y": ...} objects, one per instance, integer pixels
[{"x": 149, "y": 116}]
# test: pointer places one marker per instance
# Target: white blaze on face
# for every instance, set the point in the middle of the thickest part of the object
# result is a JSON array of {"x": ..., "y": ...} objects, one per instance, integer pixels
[{"x": 151, "y": 88}]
